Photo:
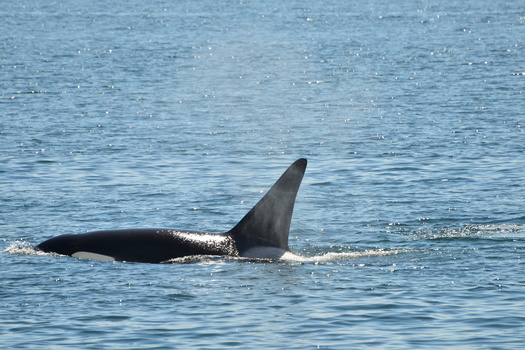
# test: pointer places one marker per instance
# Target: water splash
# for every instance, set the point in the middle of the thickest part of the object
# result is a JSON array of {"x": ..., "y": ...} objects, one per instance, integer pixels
[
  {"x": 349, "y": 255},
  {"x": 23, "y": 248},
  {"x": 480, "y": 230}
]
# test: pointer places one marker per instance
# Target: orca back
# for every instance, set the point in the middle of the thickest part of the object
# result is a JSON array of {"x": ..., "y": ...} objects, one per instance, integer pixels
[{"x": 261, "y": 233}]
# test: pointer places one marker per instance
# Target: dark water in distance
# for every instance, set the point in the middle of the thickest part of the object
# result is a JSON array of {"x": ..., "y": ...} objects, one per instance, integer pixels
[{"x": 182, "y": 114}]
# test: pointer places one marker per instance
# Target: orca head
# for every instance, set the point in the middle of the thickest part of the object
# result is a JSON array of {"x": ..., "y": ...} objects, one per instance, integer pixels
[
  {"x": 267, "y": 224},
  {"x": 73, "y": 245}
]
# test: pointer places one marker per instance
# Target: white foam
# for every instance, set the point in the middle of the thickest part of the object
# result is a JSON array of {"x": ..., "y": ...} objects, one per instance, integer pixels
[
  {"x": 22, "y": 248},
  {"x": 282, "y": 255},
  {"x": 261, "y": 252},
  {"x": 333, "y": 256}
]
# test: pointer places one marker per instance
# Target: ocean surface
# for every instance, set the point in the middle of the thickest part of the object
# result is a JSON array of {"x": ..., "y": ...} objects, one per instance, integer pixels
[{"x": 410, "y": 220}]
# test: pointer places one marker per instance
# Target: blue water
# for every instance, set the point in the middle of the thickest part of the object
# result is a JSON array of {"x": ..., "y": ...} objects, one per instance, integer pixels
[{"x": 121, "y": 114}]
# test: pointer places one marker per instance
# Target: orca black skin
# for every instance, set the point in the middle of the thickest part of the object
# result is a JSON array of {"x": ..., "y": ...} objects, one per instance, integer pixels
[{"x": 261, "y": 233}]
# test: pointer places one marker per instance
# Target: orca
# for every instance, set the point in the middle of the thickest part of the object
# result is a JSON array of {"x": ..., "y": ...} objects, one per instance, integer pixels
[{"x": 261, "y": 233}]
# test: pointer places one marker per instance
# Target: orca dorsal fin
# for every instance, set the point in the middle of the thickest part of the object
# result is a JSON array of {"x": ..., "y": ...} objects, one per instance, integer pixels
[{"x": 267, "y": 224}]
